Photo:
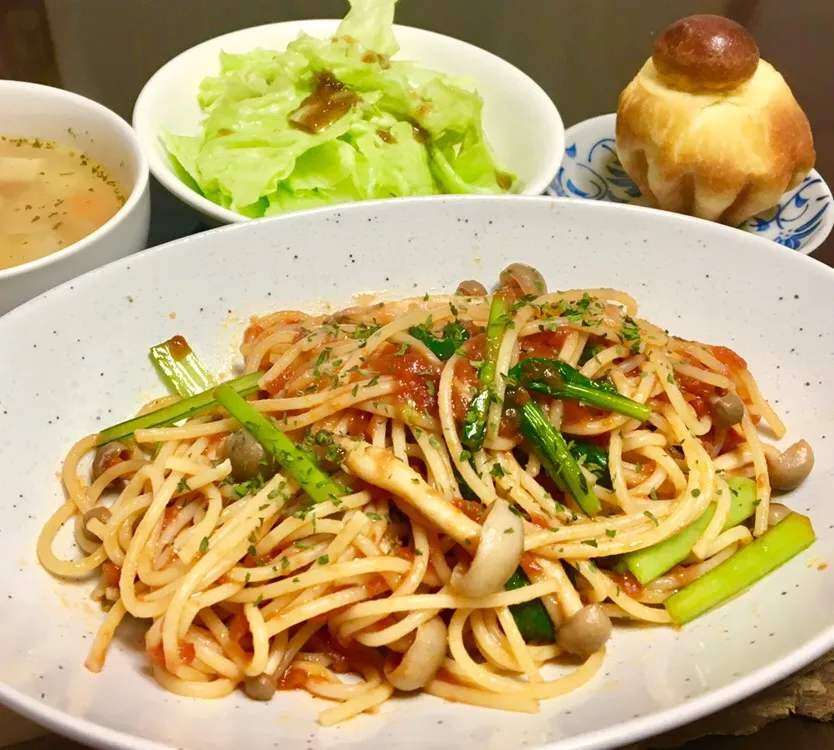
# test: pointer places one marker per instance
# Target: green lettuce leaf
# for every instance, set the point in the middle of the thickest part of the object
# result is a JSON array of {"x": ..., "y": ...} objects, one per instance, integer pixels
[
  {"x": 411, "y": 131},
  {"x": 371, "y": 23}
]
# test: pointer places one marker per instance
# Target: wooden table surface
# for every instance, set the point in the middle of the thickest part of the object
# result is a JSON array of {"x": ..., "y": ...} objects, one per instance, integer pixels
[
  {"x": 582, "y": 53},
  {"x": 795, "y": 733}
]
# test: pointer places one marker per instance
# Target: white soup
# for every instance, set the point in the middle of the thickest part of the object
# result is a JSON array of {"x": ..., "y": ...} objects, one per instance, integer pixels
[{"x": 50, "y": 197}]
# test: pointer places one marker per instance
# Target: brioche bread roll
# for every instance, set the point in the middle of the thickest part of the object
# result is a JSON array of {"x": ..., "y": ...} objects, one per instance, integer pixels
[{"x": 709, "y": 129}]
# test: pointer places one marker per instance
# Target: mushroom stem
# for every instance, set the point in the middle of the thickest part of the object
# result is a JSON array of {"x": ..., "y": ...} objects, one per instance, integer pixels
[
  {"x": 260, "y": 688},
  {"x": 247, "y": 457},
  {"x": 424, "y": 657},
  {"x": 727, "y": 410},
  {"x": 97, "y": 513},
  {"x": 586, "y": 632},
  {"x": 528, "y": 280},
  {"x": 380, "y": 467},
  {"x": 791, "y": 467},
  {"x": 499, "y": 553},
  {"x": 109, "y": 455},
  {"x": 471, "y": 288},
  {"x": 776, "y": 513}
]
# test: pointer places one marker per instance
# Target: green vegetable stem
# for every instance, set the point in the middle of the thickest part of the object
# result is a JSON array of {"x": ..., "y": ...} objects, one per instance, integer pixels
[
  {"x": 180, "y": 368},
  {"x": 188, "y": 407},
  {"x": 594, "y": 459},
  {"x": 559, "y": 380},
  {"x": 297, "y": 462},
  {"x": 552, "y": 450},
  {"x": 652, "y": 562},
  {"x": 473, "y": 432},
  {"x": 533, "y": 621},
  {"x": 474, "y": 423},
  {"x": 750, "y": 564}
]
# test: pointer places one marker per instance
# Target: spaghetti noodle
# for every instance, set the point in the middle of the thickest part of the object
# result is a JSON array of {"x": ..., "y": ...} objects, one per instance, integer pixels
[{"x": 455, "y": 544}]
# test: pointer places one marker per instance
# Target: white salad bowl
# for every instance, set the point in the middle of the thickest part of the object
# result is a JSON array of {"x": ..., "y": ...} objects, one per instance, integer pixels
[
  {"x": 521, "y": 122},
  {"x": 34, "y": 111},
  {"x": 699, "y": 280}
]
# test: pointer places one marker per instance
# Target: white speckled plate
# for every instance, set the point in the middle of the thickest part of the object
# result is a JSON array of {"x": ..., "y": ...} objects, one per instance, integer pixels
[
  {"x": 591, "y": 170},
  {"x": 76, "y": 359}
]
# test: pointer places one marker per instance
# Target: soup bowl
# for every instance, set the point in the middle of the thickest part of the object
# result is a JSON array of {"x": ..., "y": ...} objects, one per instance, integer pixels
[{"x": 33, "y": 111}]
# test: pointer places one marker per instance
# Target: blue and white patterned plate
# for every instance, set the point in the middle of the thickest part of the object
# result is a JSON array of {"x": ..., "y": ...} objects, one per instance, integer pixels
[{"x": 591, "y": 170}]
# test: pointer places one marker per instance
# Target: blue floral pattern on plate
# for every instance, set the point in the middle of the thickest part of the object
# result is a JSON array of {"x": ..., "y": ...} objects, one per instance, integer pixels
[{"x": 591, "y": 170}]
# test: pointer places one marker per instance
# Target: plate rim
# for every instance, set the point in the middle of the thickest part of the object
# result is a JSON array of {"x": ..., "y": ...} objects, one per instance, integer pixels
[
  {"x": 597, "y": 120},
  {"x": 633, "y": 730}
]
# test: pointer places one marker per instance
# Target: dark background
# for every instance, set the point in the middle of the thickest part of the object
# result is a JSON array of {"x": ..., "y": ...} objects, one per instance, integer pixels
[{"x": 583, "y": 52}]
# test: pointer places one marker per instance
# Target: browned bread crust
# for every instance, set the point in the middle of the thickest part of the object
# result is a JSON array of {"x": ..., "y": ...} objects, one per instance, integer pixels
[{"x": 705, "y": 52}]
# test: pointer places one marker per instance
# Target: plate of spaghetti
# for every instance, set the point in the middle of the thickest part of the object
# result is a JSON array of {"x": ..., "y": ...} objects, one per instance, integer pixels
[{"x": 531, "y": 473}]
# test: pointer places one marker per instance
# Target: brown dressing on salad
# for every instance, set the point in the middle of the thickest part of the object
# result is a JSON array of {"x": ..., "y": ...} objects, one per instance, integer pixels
[{"x": 330, "y": 101}]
